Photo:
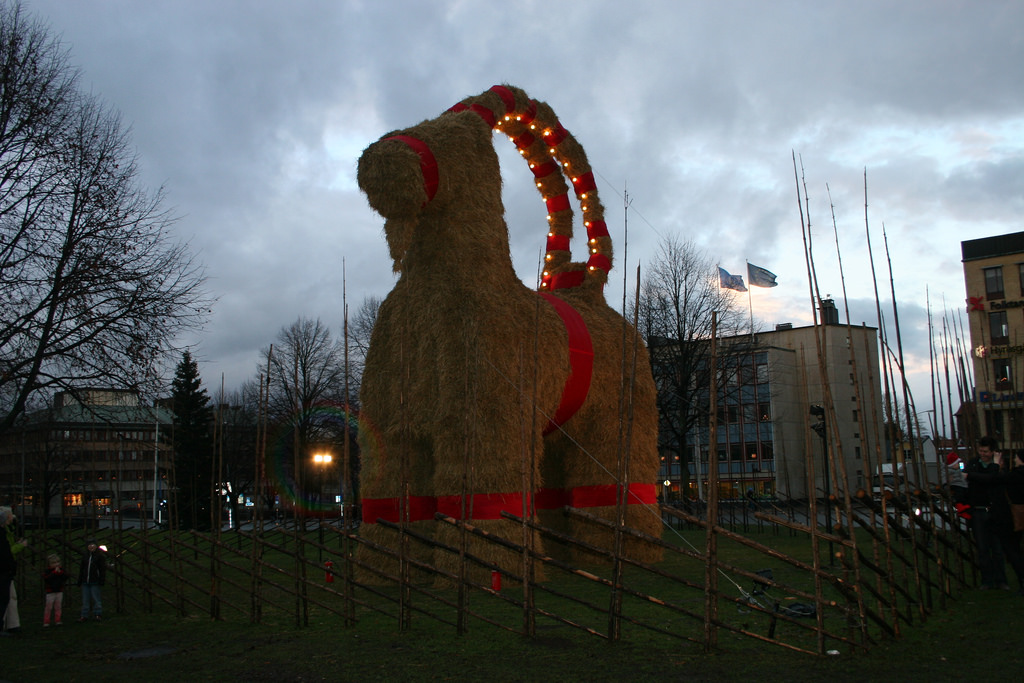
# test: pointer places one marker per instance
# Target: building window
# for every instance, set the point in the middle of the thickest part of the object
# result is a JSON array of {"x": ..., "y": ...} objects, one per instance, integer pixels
[
  {"x": 994, "y": 283},
  {"x": 994, "y": 423},
  {"x": 1001, "y": 375},
  {"x": 999, "y": 328},
  {"x": 1020, "y": 268},
  {"x": 1015, "y": 425}
]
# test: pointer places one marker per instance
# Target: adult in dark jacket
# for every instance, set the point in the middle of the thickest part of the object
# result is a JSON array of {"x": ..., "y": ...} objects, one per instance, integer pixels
[
  {"x": 991, "y": 563},
  {"x": 1006, "y": 486},
  {"x": 8, "y": 549},
  {"x": 91, "y": 576}
]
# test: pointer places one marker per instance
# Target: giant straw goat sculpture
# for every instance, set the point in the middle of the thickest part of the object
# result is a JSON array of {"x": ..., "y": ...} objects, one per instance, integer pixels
[{"x": 481, "y": 396}]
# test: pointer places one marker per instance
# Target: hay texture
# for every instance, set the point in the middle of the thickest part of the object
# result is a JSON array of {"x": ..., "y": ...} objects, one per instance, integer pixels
[{"x": 467, "y": 366}]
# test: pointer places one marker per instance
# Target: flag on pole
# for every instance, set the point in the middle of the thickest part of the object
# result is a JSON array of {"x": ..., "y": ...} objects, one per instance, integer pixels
[
  {"x": 727, "y": 281},
  {"x": 760, "y": 277}
]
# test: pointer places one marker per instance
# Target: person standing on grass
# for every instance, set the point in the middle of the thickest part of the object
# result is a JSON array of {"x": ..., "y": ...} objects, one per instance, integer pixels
[
  {"x": 9, "y": 547},
  {"x": 980, "y": 492},
  {"x": 54, "y": 579},
  {"x": 91, "y": 575},
  {"x": 1006, "y": 487}
]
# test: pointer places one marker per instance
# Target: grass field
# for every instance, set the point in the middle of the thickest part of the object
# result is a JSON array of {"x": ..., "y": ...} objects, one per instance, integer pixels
[{"x": 977, "y": 636}]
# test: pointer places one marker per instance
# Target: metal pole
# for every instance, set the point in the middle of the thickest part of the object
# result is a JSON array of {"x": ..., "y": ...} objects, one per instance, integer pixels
[
  {"x": 156, "y": 467},
  {"x": 828, "y": 494}
]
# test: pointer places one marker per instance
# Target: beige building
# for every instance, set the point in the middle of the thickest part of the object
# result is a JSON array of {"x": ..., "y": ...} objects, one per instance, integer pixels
[
  {"x": 766, "y": 436},
  {"x": 994, "y": 279}
]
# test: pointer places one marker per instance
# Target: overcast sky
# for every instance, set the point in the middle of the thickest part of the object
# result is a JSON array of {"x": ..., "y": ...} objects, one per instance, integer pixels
[{"x": 252, "y": 115}]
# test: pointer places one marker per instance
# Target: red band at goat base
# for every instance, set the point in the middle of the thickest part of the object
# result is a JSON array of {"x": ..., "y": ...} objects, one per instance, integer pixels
[{"x": 492, "y": 505}]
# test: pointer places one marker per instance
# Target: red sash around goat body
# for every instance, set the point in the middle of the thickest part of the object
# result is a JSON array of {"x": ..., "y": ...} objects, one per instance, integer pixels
[{"x": 581, "y": 362}]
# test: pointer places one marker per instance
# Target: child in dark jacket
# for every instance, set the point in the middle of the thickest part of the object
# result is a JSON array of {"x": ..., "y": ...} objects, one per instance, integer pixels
[
  {"x": 91, "y": 575},
  {"x": 54, "y": 579}
]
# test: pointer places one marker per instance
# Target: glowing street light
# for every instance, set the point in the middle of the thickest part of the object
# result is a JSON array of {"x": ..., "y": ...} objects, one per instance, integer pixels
[{"x": 322, "y": 460}]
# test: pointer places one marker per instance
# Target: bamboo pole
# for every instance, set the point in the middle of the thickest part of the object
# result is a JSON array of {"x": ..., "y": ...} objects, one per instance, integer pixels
[
  {"x": 346, "y": 488},
  {"x": 921, "y": 572},
  {"x": 404, "y": 584},
  {"x": 886, "y": 580},
  {"x": 653, "y": 599},
  {"x": 809, "y": 459},
  {"x": 627, "y": 388},
  {"x": 711, "y": 539},
  {"x": 888, "y": 410},
  {"x": 947, "y": 352},
  {"x": 256, "y": 567},
  {"x": 298, "y": 440},
  {"x": 837, "y": 453},
  {"x": 893, "y": 419},
  {"x": 465, "y": 511},
  {"x": 216, "y": 484},
  {"x": 530, "y": 482}
]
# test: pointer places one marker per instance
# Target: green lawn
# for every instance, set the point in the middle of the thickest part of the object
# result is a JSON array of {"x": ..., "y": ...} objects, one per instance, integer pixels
[
  {"x": 976, "y": 636},
  {"x": 957, "y": 644}
]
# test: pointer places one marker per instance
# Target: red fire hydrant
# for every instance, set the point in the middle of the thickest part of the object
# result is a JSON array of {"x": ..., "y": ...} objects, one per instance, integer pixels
[
  {"x": 329, "y": 576},
  {"x": 495, "y": 581}
]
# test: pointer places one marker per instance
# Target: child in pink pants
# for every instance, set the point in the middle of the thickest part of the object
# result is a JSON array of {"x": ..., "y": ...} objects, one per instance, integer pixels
[{"x": 54, "y": 578}]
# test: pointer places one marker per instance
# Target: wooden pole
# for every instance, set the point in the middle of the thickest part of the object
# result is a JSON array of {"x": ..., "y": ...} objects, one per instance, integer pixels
[
  {"x": 623, "y": 478},
  {"x": 345, "y": 481},
  {"x": 711, "y": 538}
]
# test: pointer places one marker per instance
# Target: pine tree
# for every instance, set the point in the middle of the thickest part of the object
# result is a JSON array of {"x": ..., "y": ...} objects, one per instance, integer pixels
[{"x": 193, "y": 446}]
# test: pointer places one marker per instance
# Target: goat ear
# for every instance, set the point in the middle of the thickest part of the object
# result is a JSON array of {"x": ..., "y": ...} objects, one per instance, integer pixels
[{"x": 389, "y": 173}]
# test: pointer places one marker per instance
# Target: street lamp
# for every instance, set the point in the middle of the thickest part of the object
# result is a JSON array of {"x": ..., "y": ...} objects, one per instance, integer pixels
[
  {"x": 322, "y": 461},
  {"x": 820, "y": 430}
]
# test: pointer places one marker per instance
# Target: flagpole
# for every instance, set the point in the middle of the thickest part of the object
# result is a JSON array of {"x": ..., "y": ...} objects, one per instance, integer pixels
[{"x": 750, "y": 304}]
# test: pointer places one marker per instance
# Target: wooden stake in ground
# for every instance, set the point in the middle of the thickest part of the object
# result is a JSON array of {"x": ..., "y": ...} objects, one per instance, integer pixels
[{"x": 711, "y": 539}]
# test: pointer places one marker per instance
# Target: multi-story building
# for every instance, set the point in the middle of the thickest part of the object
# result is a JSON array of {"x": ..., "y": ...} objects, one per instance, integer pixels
[
  {"x": 97, "y": 452},
  {"x": 771, "y": 397},
  {"x": 994, "y": 278}
]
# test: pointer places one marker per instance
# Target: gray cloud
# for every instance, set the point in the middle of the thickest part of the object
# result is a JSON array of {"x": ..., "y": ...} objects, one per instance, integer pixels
[{"x": 252, "y": 115}]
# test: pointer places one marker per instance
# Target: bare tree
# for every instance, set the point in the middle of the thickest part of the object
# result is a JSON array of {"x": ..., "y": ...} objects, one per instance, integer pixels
[
  {"x": 678, "y": 295},
  {"x": 93, "y": 290},
  {"x": 360, "y": 329},
  {"x": 236, "y": 414},
  {"x": 306, "y": 400}
]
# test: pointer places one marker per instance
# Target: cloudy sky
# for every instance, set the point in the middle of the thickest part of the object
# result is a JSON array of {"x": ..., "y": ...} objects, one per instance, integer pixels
[{"x": 252, "y": 116}]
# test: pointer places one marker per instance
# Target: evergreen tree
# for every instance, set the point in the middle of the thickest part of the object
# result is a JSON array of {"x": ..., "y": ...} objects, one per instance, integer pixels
[{"x": 193, "y": 446}]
